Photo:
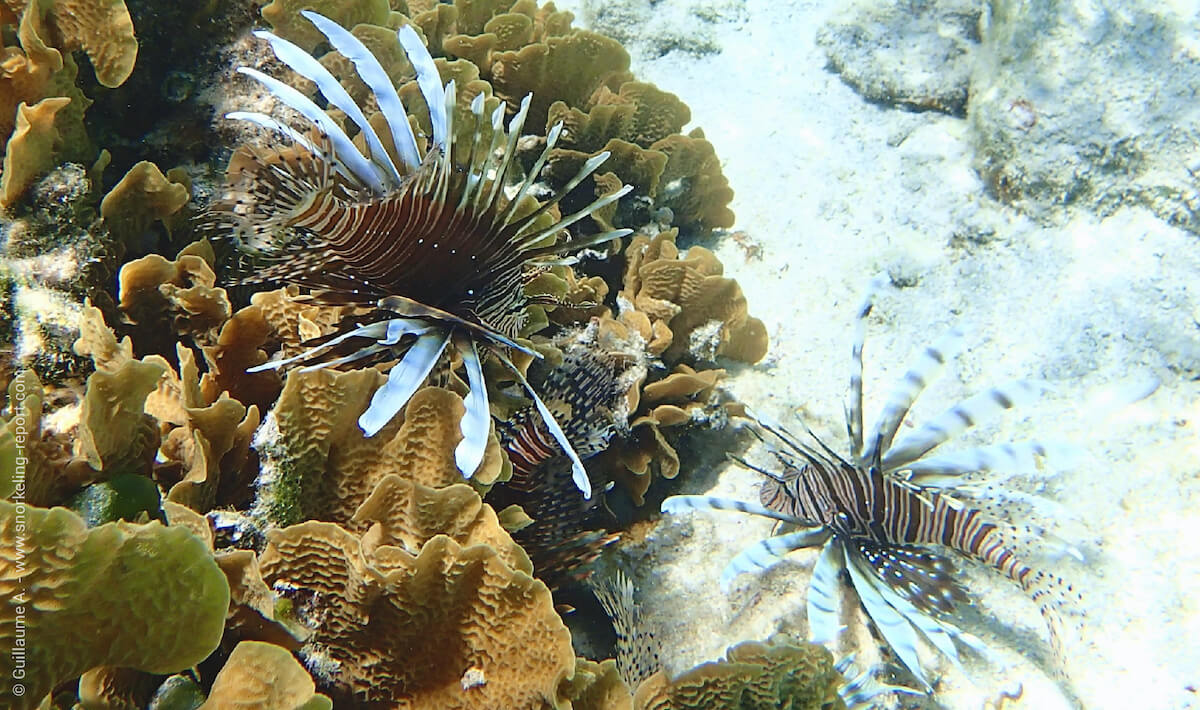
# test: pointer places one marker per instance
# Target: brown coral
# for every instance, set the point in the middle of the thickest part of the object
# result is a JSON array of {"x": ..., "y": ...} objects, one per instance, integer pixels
[
  {"x": 143, "y": 196},
  {"x": 287, "y": 22},
  {"x": 754, "y": 676},
  {"x": 706, "y": 312},
  {"x": 165, "y": 299},
  {"x": 407, "y": 515},
  {"x": 31, "y": 149},
  {"x": 681, "y": 397},
  {"x": 101, "y": 28},
  {"x": 449, "y": 627},
  {"x": 597, "y": 686},
  {"x": 511, "y": 49}
]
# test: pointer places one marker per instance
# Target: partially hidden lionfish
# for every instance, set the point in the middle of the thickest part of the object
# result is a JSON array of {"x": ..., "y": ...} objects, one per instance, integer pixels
[
  {"x": 586, "y": 394},
  {"x": 887, "y": 514},
  {"x": 438, "y": 244}
]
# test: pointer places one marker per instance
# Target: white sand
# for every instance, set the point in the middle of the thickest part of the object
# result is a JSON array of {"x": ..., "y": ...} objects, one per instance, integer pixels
[{"x": 838, "y": 190}]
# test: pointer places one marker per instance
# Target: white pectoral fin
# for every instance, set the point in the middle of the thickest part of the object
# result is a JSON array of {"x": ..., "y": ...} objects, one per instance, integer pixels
[
  {"x": 403, "y": 381},
  {"x": 476, "y": 422},
  {"x": 764, "y": 554}
]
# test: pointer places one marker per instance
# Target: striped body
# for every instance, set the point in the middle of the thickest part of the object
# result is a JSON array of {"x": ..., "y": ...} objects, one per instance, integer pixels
[
  {"x": 857, "y": 503},
  {"x": 584, "y": 393}
]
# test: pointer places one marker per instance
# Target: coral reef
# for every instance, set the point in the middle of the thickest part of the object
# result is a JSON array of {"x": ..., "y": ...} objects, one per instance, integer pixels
[
  {"x": 688, "y": 294},
  {"x": 261, "y": 676},
  {"x": 775, "y": 674},
  {"x": 139, "y": 596},
  {"x": 447, "y": 626},
  {"x": 318, "y": 464},
  {"x": 579, "y": 77},
  {"x": 336, "y": 567}
]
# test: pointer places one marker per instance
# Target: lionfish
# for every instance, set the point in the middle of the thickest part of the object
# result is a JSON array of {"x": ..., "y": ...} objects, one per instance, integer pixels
[
  {"x": 586, "y": 394},
  {"x": 437, "y": 245},
  {"x": 887, "y": 514}
]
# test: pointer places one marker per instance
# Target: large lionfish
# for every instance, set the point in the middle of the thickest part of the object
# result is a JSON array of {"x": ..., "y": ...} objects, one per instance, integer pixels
[
  {"x": 886, "y": 514},
  {"x": 438, "y": 244}
]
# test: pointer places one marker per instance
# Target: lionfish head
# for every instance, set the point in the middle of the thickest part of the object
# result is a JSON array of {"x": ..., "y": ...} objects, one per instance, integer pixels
[{"x": 432, "y": 233}]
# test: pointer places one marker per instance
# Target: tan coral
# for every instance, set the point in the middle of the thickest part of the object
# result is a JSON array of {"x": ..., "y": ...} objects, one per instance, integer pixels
[
  {"x": 451, "y": 627},
  {"x": 254, "y": 611},
  {"x": 570, "y": 69},
  {"x": 692, "y": 183},
  {"x": 115, "y": 433},
  {"x": 287, "y": 22},
  {"x": 318, "y": 464},
  {"x": 110, "y": 688},
  {"x": 22, "y": 436},
  {"x": 754, "y": 676},
  {"x": 143, "y": 196},
  {"x": 147, "y": 597},
  {"x": 211, "y": 439},
  {"x": 688, "y": 292},
  {"x": 31, "y": 149},
  {"x": 637, "y": 112},
  {"x": 407, "y": 515},
  {"x": 170, "y": 298},
  {"x": 262, "y": 676},
  {"x": 597, "y": 686},
  {"x": 101, "y": 28}
]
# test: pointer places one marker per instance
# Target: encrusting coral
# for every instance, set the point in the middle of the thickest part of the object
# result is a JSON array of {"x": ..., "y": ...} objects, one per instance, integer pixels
[
  {"x": 101, "y": 28},
  {"x": 140, "y": 596},
  {"x": 141, "y": 197},
  {"x": 318, "y": 464},
  {"x": 753, "y": 676},
  {"x": 41, "y": 108}
]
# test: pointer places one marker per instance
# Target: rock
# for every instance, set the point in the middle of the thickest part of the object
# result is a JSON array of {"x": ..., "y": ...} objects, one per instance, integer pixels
[
  {"x": 916, "y": 55},
  {"x": 1087, "y": 103}
]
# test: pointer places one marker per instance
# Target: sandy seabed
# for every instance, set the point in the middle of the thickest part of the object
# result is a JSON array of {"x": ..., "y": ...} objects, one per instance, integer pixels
[{"x": 837, "y": 190}]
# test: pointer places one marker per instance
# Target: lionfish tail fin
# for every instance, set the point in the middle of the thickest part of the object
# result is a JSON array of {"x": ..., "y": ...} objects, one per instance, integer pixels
[
  {"x": 637, "y": 649},
  {"x": 1059, "y": 603}
]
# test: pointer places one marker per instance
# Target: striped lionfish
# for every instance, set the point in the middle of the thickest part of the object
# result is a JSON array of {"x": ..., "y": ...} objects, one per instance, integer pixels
[
  {"x": 886, "y": 514},
  {"x": 586, "y": 394},
  {"x": 439, "y": 247}
]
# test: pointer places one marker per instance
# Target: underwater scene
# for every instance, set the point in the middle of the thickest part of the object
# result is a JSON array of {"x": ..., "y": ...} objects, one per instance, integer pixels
[{"x": 629, "y": 355}]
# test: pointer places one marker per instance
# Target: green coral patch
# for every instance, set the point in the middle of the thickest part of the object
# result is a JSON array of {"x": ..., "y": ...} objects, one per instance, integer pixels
[{"x": 138, "y": 596}]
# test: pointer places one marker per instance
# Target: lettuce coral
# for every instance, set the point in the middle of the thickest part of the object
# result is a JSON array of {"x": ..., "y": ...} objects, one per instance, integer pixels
[
  {"x": 262, "y": 676},
  {"x": 753, "y": 676},
  {"x": 140, "y": 596},
  {"x": 510, "y": 49},
  {"x": 101, "y": 28},
  {"x": 317, "y": 463},
  {"x": 447, "y": 627}
]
